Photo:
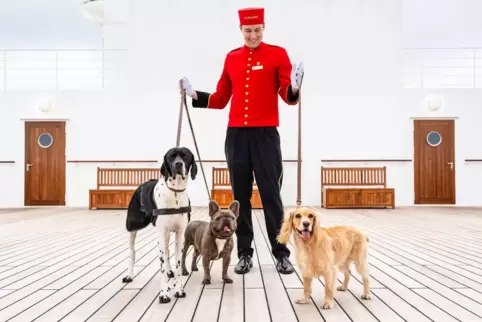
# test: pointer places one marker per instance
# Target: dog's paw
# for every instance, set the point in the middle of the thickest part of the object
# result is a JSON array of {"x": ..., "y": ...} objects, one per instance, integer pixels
[
  {"x": 227, "y": 280},
  {"x": 170, "y": 274},
  {"x": 341, "y": 288},
  {"x": 327, "y": 305},
  {"x": 164, "y": 299},
  {"x": 180, "y": 294},
  {"x": 185, "y": 272},
  {"x": 301, "y": 300},
  {"x": 206, "y": 281},
  {"x": 195, "y": 269},
  {"x": 366, "y": 296},
  {"x": 127, "y": 279}
]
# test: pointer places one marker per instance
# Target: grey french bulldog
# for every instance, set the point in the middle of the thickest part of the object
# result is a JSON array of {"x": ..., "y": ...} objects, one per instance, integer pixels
[{"x": 212, "y": 240}]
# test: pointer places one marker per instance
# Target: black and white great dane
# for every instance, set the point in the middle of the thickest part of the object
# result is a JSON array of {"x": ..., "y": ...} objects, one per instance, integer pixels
[{"x": 166, "y": 205}]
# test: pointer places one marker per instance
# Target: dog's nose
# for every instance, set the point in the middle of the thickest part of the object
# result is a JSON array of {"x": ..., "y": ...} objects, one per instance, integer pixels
[
  {"x": 178, "y": 164},
  {"x": 306, "y": 224}
]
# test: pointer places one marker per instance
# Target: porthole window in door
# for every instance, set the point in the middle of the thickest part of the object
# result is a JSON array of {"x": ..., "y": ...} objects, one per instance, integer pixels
[
  {"x": 434, "y": 138},
  {"x": 45, "y": 140}
]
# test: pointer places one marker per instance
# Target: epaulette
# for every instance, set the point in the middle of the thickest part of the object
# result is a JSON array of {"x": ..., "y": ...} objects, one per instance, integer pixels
[
  {"x": 234, "y": 50},
  {"x": 275, "y": 46}
]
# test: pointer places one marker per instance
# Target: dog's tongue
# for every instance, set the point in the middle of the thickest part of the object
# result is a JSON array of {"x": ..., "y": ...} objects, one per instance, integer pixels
[
  {"x": 305, "y": 234},
  {"x": 226, "y": 228}
]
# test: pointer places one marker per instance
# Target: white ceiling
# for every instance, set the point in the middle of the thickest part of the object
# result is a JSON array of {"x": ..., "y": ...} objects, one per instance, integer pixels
[
  {"x": 46, "y": 24},
  {"x": 427, "y": 23},
  {"x": 442, "y": 23}
]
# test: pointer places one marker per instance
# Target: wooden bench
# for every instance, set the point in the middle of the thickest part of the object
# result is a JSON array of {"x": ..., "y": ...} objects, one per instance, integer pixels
[
  {"x": 222, "y": 193},
  {"x": 115, "y": 186},
  {"x": 352, "y": 188}
]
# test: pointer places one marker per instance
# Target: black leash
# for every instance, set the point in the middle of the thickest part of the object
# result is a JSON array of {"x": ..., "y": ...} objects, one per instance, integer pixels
[{"x": 179, "y": 127}]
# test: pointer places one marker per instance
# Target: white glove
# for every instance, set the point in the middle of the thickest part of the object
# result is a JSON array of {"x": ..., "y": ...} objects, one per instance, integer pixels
[
  {"x": 296, "y": 76},
  {"x": 186, "y": 85}
]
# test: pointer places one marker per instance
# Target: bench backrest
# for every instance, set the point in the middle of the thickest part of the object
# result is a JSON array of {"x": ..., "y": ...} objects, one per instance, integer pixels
[
  {"x": 353, "y": 176},
  {"x": 125, "y": 177},
  {"x": 221, "y": 178}
]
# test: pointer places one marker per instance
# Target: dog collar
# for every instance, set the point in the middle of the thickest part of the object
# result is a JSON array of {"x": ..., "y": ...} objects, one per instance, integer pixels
[
  {"x": 175, "y": 190},
  {"x": 172, "y": 189}
]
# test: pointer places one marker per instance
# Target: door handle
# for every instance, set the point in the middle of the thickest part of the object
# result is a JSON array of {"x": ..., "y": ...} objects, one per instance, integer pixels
[
  {"x": 28, "y": 165},
  {"x": 451, "y": 165}
]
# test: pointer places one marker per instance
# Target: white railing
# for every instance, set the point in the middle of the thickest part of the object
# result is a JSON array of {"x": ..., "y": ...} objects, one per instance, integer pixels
[
  {"x": 60, "y": 69},
  {"x": 104, "y": 69},
  {"x": 443, "y": 68}
]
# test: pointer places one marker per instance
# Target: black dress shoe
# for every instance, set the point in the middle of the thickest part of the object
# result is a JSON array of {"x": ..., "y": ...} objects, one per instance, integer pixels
[
  {"x": 284, "y": 265},
  {"x": 244, "y": 265}
]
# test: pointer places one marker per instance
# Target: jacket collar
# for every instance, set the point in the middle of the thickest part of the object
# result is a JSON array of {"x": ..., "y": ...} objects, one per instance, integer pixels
[{"x": 260, "y": 47}]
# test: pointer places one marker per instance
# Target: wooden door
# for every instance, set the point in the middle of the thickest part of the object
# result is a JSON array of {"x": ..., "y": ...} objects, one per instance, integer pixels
[
  {"x": 45, "y": 163},
  {"x": 434, "y": 161}
]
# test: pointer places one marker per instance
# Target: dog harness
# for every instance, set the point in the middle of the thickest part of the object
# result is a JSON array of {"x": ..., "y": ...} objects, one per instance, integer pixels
[{"x": 149, "y": 206}]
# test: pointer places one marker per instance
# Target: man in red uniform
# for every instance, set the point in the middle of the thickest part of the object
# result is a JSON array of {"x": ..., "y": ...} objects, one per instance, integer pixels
[{"x": 253, "y": 76}]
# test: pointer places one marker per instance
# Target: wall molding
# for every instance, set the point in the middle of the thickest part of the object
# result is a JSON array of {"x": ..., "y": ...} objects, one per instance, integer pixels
[
  {"x": 368, "y": 160},
  {"x": 44, "y": 119},
  {"x": 112, "y": 161},
  {"x": 151, "y": 161},
  {"x": 434, "y": 117}
]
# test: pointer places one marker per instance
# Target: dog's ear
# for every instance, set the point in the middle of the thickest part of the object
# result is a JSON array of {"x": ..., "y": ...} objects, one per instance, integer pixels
[
  {"x": 213, "y": 207},
  {"x": 286, "y": 228},
  {"x": 193, "y": 169},
  {"x": 165, "y": 169},
  {"x": 315, "y": 230},
  {"x": 234, "y": 207}
]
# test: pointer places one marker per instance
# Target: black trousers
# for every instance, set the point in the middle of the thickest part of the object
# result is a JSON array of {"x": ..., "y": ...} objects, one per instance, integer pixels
[{"x": 258, "y": 149}]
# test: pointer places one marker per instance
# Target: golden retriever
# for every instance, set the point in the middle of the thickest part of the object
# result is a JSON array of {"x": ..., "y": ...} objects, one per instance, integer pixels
[{"x": 324, "y": 251}]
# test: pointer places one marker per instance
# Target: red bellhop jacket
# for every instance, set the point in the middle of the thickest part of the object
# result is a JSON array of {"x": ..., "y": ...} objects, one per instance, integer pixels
[{"x": 253, "y": 78}]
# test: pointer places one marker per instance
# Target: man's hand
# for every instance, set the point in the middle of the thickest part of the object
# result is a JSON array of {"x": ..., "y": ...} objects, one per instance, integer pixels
[
  {"x": 297, "y": 72},
  {"x": 186, "y": 86}
]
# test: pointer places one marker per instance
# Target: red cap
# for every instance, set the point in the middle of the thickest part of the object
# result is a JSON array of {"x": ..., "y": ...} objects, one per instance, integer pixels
[{"x": 251, "y": 16}]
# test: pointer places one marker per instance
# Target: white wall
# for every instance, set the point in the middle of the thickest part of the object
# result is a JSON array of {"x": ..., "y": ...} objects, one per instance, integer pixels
[
  {"x": 143, "y": 135},
  {"x": 394, "y": 140}
]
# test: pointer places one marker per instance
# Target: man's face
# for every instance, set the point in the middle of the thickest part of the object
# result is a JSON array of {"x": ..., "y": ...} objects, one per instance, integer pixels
[{"x": 252, "y": 34}]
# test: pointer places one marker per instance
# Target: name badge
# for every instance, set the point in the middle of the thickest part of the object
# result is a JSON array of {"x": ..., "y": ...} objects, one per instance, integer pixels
[{"x": 258, "y": 67}]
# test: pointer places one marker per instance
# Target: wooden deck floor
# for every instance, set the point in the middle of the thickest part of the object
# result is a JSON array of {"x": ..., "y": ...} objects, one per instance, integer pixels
[{"x": 67, "y": 264}]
